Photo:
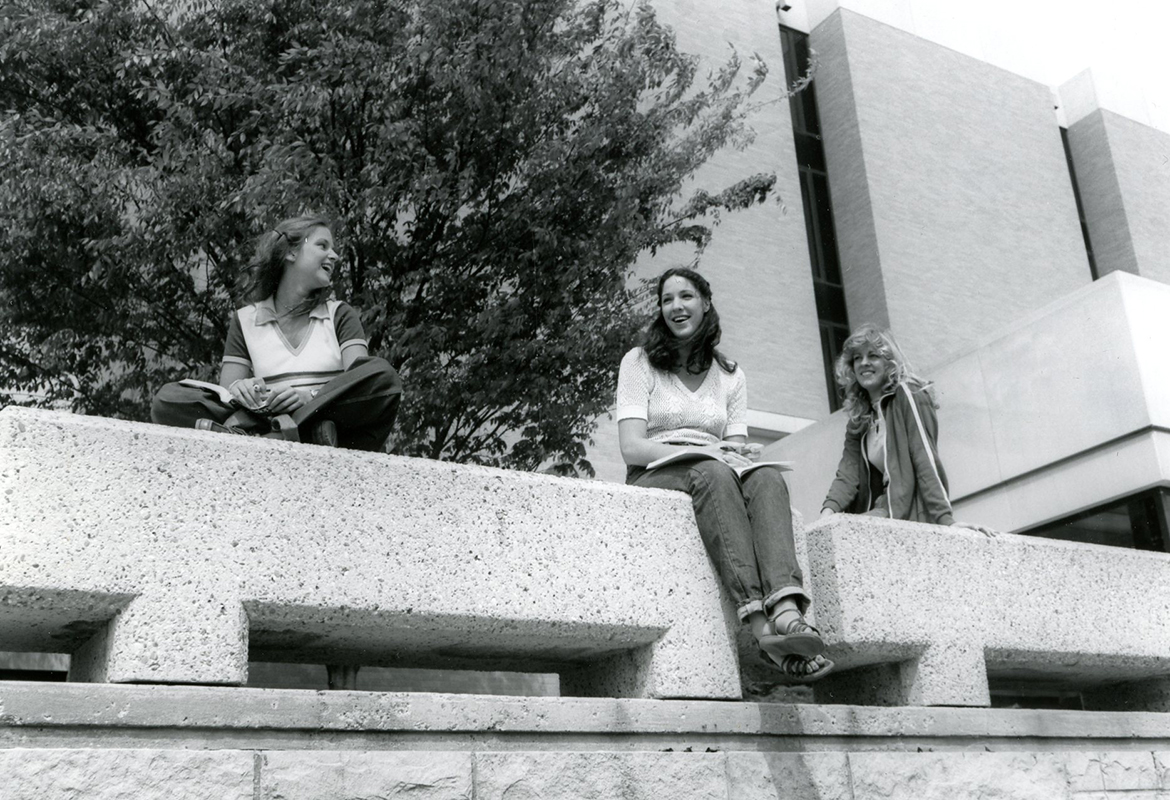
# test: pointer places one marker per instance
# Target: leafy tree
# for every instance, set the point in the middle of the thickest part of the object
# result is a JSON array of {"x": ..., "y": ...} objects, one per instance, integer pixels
[{"x": 494, "y": 166}]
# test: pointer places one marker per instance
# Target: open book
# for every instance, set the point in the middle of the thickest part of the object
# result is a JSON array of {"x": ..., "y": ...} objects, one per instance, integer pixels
[
  {"x": 694, "y": 454},
  {"x": 224, "y": 395}
]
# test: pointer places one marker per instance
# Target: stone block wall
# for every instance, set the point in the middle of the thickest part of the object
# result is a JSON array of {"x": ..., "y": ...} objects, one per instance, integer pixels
[
  {"x": 757, "y": 262},
  {"x": 954, "y": 209},
  {"x": 146, "y": 774},
  {"x": 69, "y": 741},
  {"x": 1123, "y": 172}
]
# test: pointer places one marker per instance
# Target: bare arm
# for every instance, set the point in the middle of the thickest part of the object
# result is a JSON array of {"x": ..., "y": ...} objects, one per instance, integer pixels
[
  {"x": 638, "y": 450},
  {"x": 230, "y": 372},
  {"x": 352, "y": 354}
]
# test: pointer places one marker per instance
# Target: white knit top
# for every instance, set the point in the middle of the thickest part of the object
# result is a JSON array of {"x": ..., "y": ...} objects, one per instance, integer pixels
[{"x": 673, "y": 413}]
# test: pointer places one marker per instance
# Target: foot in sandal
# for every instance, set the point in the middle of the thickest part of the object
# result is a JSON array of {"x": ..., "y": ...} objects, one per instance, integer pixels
[
  {"x": 212, "y": 425},
  {"x": 793, "y": 635},
  {"x": 799, "y": 669}
]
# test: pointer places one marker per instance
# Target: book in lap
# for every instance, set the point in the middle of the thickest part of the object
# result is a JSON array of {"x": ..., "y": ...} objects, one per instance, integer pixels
[
  {"x": 698, "y": 455},
  {"x": 225, "y": 396}
]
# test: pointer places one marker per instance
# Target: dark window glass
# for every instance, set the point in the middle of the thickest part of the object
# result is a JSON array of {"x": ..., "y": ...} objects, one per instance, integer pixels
[
  {"x": 818, "y": 210},
  {"x": 830, "y": 303},
  {"x": 807, "y": 196},
  {"x": 832, "y": 341},
  {"x": 32, "y": 675},
  {"x": 826, "y": 230},
  {"x": 1016, "y": 693},
  {"x": 1138, "y": 522},
  {"x": 1072, "y": 174},
  {"x": 810, "y": 154}
]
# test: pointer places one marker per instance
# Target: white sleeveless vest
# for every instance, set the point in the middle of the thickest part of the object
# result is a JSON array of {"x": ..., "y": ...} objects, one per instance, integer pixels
[{"x": 314, "y": 363}]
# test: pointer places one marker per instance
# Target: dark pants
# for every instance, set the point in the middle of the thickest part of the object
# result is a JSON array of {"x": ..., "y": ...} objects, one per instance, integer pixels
[
  {"x": 746, "y": 527},
  {"x": 362, "y": 402}
]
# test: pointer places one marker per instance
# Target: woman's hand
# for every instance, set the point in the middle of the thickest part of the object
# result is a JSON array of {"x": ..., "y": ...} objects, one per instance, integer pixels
[
  {"x": 252, "y": 393},
  {"x": 827, "y": 512},
  {"x": 750, "y": 450},
  {"x": 988, "y": 532},
  {"x": 728, "y": 453},
  {"x": 288, "y": 399}
]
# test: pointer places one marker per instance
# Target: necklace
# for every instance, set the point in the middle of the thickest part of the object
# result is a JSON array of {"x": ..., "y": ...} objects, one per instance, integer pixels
[{"x": 292, "y": 312}]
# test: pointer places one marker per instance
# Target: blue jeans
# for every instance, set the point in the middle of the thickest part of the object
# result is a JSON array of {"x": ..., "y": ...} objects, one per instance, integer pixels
[{"x": 746, "y": 526}]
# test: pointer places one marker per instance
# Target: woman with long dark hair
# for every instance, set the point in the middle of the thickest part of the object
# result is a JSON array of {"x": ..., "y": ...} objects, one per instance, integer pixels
[
  {"x": 294, "y": 361},
  {"x": 678, "y": 393},
  {"x": 890, "y": 466}
]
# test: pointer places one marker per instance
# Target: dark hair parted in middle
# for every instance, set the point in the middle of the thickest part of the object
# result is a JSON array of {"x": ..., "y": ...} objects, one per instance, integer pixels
[{"x": 662, "y": 347}]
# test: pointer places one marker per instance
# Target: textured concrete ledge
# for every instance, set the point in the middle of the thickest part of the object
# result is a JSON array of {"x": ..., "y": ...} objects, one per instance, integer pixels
[
  {"x": 927, "y": 612},
  {"x": 145, "y": 774},
  {"x": 168, "y": 556},
  {"x": 208, "y": 716},
  {"x": 61, "y": 741}
]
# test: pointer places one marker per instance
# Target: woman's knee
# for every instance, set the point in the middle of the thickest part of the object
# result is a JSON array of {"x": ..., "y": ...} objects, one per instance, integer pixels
[
  {"x": 164, "y": 401},
  {"x": 383, "y": 376},
  {"x": 770, "y": 479},
  {"x": 714, "y": 474}
]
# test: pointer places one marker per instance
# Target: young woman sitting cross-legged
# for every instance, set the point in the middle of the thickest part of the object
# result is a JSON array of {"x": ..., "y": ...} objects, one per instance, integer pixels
[{"x": 294, "y": 361}]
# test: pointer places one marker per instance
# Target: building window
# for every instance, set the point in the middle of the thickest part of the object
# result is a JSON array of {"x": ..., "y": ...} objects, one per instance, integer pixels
[
  {"x": 1072, "y": 174},
  {"x": 818, "y": 211},
  {"x": 1138, "y": 521}
]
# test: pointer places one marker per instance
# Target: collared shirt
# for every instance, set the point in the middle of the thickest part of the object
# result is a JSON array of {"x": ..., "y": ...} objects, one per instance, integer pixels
[{"x": 256, "y": 341}]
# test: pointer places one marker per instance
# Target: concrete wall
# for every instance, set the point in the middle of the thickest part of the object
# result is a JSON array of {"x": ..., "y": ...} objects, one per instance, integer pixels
[
  {"x": 758, "y": 261},
  {"x": 917, "y": 614},
  {"x": 1065, "y": 410},
  {"x": 104, "y": 742},
  {"x": 162, "y": 555},
  {"x": 1101, "y": 195},
  {"x": 1123, "y": 171},
  {"x": 953, "y": 204},
  {"x": 275, "y": 774}
]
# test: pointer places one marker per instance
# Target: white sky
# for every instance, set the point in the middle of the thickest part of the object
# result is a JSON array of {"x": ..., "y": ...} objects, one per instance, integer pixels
[{"x": 1126, "y": 43}]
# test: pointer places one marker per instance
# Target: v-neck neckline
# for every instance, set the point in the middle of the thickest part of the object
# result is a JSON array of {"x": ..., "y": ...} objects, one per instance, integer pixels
[
  {"x": 296, "y": 351},
  {"x": 688, "y": 389}
]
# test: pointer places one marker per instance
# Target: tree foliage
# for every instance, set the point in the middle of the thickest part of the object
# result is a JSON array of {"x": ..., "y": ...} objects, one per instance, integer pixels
[{"x": 494, "y": 166}]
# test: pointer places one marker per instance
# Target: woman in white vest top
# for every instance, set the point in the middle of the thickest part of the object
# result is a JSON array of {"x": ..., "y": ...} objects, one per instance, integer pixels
[{"x": 292, "y": 354}]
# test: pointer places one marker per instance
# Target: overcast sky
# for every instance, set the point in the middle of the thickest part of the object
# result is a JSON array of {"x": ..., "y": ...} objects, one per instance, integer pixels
[{"x": 1124, "y": 42}]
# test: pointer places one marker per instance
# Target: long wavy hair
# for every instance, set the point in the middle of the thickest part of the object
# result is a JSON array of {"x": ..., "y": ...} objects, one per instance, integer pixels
[
  {"x": 262, "y": 275},
  {"x": 663, "y": 347},
  {"x": 855, "y": 399}
]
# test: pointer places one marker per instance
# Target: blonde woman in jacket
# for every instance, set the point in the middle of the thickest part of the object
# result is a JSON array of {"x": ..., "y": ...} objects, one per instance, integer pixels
[{"x": 890, "y": 467}]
